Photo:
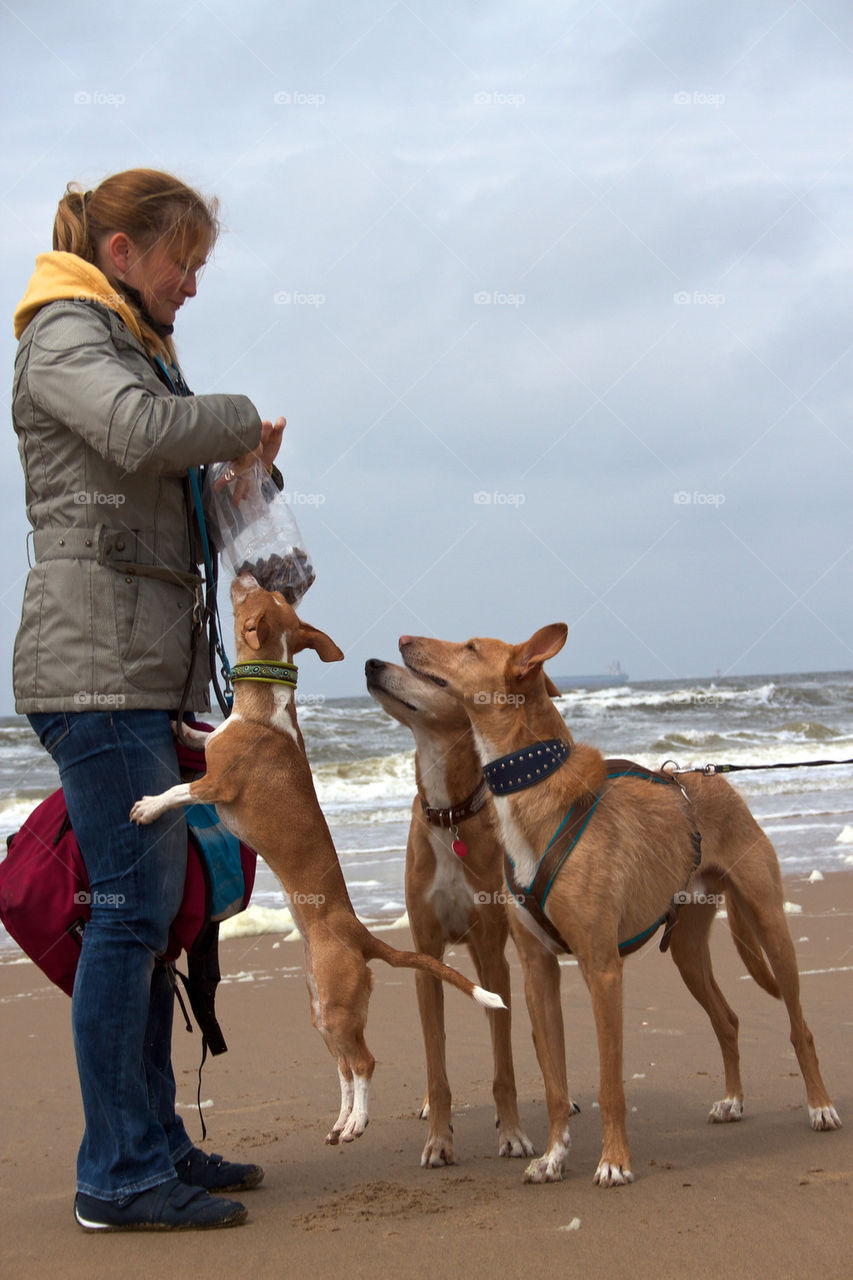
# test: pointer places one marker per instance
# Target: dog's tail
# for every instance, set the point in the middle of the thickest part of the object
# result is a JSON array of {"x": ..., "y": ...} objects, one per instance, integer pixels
[
  {"x": 376, "y": 949},
  {"x": 749, "y": 947}
]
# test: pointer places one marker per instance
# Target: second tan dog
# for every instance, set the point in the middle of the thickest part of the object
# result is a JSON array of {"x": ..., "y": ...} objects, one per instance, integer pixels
[
  {"x": 454, "y": 890},
  {"x": 259, "y": 778},
  {"x": 631, "y": 854}
]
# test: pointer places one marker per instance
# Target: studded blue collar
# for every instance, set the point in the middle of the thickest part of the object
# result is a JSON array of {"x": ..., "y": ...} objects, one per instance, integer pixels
[{"x": 525, "y": 768}]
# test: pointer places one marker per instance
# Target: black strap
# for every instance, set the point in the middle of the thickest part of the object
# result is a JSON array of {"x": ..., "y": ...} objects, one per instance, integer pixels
[{"x": 534, "y": 896}]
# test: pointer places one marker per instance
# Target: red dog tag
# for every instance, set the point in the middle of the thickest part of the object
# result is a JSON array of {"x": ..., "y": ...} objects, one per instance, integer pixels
[{"x": 459, "y": 847}]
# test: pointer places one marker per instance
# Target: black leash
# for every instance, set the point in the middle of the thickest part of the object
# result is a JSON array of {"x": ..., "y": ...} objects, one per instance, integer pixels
[{"x": 709, "y": 769}]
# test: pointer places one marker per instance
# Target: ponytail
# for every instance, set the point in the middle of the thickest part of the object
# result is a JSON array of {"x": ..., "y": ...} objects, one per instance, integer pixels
[{"x": 149, "y": 207}]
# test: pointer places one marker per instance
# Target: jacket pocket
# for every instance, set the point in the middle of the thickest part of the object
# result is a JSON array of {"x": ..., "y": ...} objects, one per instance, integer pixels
[{"x": 152, "y": 623}]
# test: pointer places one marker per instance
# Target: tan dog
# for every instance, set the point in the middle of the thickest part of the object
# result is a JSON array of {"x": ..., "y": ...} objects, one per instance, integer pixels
[
  {"x": 454, "y": 890},
  {"x": 633, "y": 856},
  {"x": 259, "y": 778}
]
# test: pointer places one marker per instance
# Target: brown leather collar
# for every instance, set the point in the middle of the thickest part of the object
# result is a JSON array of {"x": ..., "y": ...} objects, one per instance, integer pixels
[{"x": 458, "y": 812}]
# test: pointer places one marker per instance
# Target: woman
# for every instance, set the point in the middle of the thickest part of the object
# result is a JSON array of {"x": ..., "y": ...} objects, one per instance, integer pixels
[{"x": 103, "y": 653}]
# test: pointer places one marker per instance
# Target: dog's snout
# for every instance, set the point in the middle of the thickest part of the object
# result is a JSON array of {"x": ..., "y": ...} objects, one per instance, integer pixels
[{"x": 373, "y": 666}]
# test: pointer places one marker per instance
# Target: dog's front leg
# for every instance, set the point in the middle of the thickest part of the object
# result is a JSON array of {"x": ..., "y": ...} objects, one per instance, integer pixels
[
  {"x": 150, "y": 808},
  {"x": 604, "y": 979}
]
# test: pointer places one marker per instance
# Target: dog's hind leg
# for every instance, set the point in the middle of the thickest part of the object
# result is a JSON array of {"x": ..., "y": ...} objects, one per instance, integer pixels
[
  {"x": 692, "y": 955},
  {"x": 542, "y": 991},
  {"x": 438, "y": 1149},
  {"x": 767, "y": 917},
  {"x": 493, "y": 972}
]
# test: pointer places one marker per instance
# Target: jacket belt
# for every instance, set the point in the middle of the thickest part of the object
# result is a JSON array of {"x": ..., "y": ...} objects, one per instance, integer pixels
[{"x": 116, "y": 549}]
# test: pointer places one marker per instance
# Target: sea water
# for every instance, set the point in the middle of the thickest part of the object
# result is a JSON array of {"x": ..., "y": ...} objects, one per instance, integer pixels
[{"x": 363, "y": 765}]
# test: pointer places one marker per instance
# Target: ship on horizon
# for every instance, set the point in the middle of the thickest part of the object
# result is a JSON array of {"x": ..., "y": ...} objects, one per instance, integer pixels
[{"x": 613, "y": 676}]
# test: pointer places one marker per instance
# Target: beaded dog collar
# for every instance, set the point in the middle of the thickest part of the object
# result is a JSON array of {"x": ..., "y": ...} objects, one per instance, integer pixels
[{"x": 265, "y": 672}]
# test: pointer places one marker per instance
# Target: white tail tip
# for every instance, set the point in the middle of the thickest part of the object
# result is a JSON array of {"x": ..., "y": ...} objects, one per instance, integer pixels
[{"x": 487, "y": 998}]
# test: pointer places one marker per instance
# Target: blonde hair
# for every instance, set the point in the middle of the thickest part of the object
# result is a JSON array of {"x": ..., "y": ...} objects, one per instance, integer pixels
[{"x": 148, "y": 206}]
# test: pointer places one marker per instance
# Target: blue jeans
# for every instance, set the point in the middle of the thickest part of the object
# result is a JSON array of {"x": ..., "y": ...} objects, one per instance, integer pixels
[{"x": 121, "y": 1009}]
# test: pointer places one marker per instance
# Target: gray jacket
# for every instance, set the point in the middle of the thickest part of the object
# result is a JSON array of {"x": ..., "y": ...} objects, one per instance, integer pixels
[{"x": 105, "y": 449}]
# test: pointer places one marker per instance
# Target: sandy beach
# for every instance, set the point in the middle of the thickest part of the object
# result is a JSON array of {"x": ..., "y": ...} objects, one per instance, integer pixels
[{"x": 765, "y": 1197}]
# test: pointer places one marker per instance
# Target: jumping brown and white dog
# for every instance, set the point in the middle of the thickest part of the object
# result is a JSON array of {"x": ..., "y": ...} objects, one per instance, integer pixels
[
  {"x": 454, "y": 890},
  {"x": 622, "y": 846},
  {"x": 259, "y": 778}
]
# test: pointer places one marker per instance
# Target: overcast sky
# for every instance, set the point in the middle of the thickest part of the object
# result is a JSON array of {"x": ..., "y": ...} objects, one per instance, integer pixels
[{"x": 555, "y": 298}]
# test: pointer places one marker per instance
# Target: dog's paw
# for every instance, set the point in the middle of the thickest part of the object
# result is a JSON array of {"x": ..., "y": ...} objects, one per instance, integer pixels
[
  {"x": 438, "y": 1151},
  {"x": 145, "y": 811},
  {"x": 726, "y": 1111},
  {"x": 612, "y": 1175},
  {"x": 514, "y": 1143},
  {"x": 548, "y": 1168},
  {"x": 823, "y": 1118}
]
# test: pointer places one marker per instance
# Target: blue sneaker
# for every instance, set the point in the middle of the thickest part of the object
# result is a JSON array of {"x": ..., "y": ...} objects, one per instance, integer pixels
[
  {"x": 170, "y": 1206},
  {"x": 215, "y": 1174}
]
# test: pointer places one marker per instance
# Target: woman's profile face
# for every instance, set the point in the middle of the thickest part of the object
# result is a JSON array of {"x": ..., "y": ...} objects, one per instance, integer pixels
[{"x": 163, "y": 276}]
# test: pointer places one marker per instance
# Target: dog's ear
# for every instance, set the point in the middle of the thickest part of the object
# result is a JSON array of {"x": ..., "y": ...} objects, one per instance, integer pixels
[
  {"x": 551, "y": 689},
  {"x": 308, "y": 637},
  {"x": 540, "y": 647},
  {"x": 256, "y": 630}
]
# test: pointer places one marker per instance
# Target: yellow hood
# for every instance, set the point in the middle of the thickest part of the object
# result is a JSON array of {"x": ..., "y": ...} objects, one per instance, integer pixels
[{"x": 63, "y": 275}]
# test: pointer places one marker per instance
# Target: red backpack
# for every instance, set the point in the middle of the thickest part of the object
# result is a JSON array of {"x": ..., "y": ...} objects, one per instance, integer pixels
[{"x": 45, "y": 902}]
